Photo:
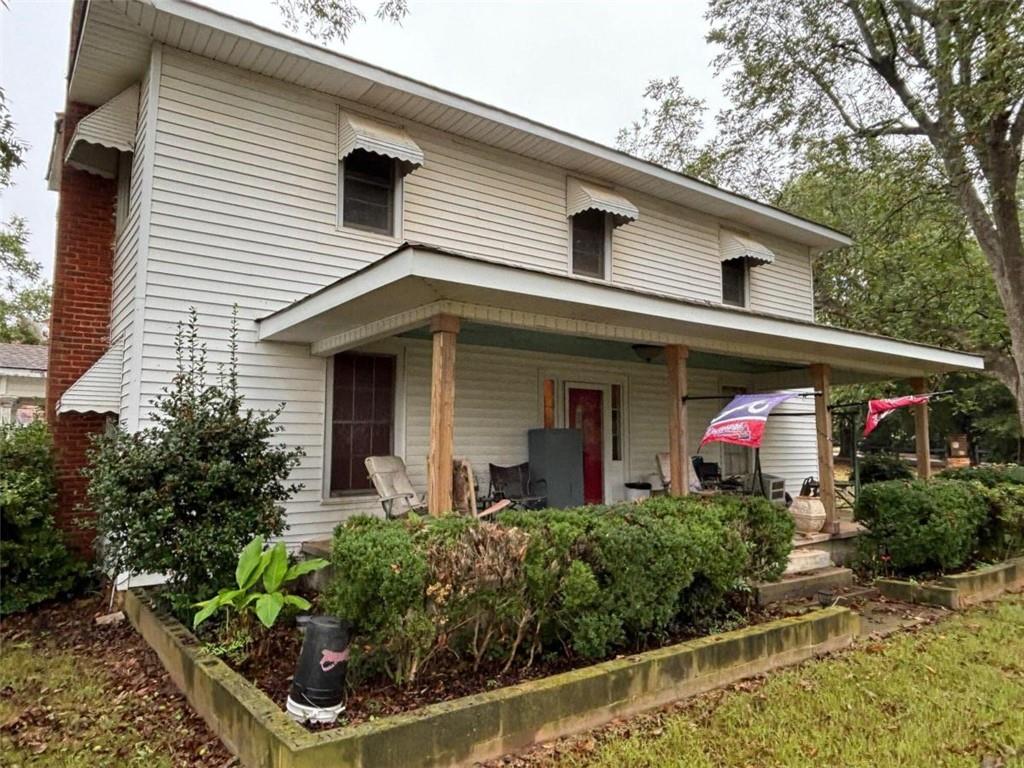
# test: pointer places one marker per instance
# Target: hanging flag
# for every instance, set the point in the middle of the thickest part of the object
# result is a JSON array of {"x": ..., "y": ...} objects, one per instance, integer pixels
[
  {"x": 879, "y": 409},
  {"x": 742, "y": 421}
]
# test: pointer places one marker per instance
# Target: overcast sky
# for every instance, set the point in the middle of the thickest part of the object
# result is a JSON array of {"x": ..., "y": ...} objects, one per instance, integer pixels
[{"x": 579, "y": 66}]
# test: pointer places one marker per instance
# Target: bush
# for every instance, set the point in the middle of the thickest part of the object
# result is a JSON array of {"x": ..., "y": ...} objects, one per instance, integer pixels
[
  {"x": 989, "y": 475},
  {"x": 182, "y": 497},
  {"x": 587, "y": 581},
  {"x": 921, "y": 527},
  {"x": 35, "y": 563},
  {"x": 1002, "y": 535},
  {"x": 879, "y": 467}
]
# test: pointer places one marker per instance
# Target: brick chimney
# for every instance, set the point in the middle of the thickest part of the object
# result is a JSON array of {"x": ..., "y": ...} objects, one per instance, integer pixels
[{"x": 80, "y": 315}]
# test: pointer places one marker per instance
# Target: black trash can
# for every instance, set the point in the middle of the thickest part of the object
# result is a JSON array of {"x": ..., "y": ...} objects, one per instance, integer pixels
[{"x": 318, "y": 688}]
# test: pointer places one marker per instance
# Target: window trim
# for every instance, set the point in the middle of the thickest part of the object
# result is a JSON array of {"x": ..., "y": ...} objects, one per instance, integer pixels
[
  {"x": 397, "y": 206},
  {"x": 387, "y": 347},
  {"x": 746, "y": 284},
  {"x": 606, "y": 258}
]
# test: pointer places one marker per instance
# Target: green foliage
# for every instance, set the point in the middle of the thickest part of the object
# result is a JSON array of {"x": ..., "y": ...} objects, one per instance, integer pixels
[
  {"x": 35, "y": 562},
  {"x": 258, "y": 567},
  {"x": 921, "y": 527},
  {"x": 1002, "y": 535},
  {"x": 585, "y": 581},
  {"x": 990, "y": 475},
  {"x": 182, "y": 497},
  {"x": 879, "y": 467}
]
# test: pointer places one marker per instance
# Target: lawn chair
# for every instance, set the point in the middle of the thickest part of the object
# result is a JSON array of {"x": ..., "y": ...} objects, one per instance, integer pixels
[
  {"x": 391, "y": 480},
  {"x": 665, "y": 470},
  {"x": 464, "y": 492},
  {"x": 513, "y": 484}
]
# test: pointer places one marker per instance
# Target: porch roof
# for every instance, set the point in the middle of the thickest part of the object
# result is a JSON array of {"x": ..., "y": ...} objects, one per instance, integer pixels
[{"x": 415, "y": 282}]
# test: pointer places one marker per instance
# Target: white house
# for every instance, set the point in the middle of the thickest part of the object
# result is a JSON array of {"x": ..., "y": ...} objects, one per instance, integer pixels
[{"x": 420, "y": 274}]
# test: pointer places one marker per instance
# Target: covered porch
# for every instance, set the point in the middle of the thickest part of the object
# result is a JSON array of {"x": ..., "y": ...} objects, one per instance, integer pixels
[{"x": 501, "y": 349}]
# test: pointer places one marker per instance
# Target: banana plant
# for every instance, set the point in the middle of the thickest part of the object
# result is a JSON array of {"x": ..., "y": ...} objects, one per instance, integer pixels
[{"x": 260, "y": 578}]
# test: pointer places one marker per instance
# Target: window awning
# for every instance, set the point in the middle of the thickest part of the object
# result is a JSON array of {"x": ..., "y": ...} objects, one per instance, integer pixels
[
  {"x": 98, "y": 390},
  {"x": 736, "y": 246},
  {"x": 101, "y": 134},
  {"x": 583, "y": 196},
  {"x": 359, "y": 132}
]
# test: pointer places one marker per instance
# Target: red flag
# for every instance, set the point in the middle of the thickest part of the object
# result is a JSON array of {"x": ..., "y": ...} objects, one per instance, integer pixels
[{"x": 879, "y": 409}]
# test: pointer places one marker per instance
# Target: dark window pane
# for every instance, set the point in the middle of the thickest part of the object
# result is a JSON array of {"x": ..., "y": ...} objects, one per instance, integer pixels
[
  {"x": 368, "y": 190},
  {"x": 588, "y": 242},
  {"x": 363, "y": 417},
  {"x": 734, "y": 282}
]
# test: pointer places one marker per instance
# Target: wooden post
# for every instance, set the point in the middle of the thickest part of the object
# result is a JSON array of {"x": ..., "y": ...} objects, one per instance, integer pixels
[
  {"x": 445, "y": 329},
  {"x": 923, "y": 443},
  {"x": 821, "y": 377},
  {"x": 675, "y": 357}
]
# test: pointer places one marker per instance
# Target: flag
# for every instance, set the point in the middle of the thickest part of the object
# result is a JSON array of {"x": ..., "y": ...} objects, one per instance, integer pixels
[
  {"x": 879, "y": 409},
  {"x": 742, "y": 421}
]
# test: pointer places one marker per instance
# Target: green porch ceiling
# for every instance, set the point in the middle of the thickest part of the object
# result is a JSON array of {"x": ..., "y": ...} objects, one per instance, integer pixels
[{"x": 483, "y": 335}]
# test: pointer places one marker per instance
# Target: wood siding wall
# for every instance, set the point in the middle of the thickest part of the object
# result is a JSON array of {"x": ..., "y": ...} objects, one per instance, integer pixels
[{"x": 243, "y": 212}]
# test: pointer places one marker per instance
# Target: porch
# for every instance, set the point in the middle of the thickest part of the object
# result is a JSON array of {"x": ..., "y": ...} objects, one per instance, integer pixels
[{"x": 487, "y": 351}]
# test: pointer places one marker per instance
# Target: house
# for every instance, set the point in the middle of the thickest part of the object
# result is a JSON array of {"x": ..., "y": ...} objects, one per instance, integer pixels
[
  {"x": 22, "y": 382},
  {"x": 415, "y": 272}
]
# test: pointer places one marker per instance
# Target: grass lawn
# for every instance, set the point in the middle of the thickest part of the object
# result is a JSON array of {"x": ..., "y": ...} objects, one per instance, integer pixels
[{"x": 949, "y": 695}]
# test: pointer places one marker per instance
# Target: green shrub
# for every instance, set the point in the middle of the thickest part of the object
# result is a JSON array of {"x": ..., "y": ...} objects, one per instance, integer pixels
[
  {"x": 182, "y": 497},
  {"x": 766, "y": 529},
  {"x": 921, "y": 526},
  {"x": 35, "y": 563},
  {"x": 879, "y": 467},
  {"x": 989, "y": 475},
  {"x": 1002, "y": 535}
]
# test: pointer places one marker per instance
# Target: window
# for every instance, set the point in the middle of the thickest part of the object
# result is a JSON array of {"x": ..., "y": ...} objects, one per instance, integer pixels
[
  {"x": 589, "y": 243},
  {"x": 368, "y": 184},
  {"x": 616, "y": 422},
  {"x": 362, "y": 418},
  {"x": 734, "y": 282}
]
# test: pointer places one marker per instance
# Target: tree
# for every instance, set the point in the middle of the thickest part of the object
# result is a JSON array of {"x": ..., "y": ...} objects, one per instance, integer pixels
[
  {"x": 24, "y": 298},
  {"x": 944, "y": 74},
  {"x": 329, "y": 20}
]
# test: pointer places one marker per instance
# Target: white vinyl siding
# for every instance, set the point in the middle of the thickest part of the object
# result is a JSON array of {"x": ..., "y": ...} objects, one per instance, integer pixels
[
  {"x": 789, "y": 448},
  {"x": 244, "y": 211},
  {"x": 786, "y": 287}
]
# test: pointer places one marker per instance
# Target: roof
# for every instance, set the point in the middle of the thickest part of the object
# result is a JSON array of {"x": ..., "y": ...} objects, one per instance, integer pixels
[
  {"x": 29, "y": 357},
  {"x": 115, "y": 50},
  {"x": 397, "y": 292}
]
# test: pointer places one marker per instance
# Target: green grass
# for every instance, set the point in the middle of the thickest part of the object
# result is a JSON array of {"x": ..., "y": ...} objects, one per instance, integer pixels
[
  {"x": 951, "y": 695},
  {"x": 57, "y": 709}
]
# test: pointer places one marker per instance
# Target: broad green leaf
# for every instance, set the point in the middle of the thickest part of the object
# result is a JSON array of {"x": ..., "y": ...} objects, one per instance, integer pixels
[
  {"x": 248, "y": 560},
  {"x": 209, "y": 608},
  {"x": 277, "y": 565},
  {"x": 305, "y": 566},
  {"x": 268, "y": 607},
  {"x": 299, "y": 602}
]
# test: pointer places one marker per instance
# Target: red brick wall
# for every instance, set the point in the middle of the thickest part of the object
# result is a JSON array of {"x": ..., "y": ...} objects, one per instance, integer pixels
[{"x": 79, "y": 323}]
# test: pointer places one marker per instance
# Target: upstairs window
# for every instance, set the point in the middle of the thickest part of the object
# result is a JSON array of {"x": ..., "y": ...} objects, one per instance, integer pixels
[
  {"x": 362, "y": 417},
  {"x": 734, "y": 282},
  {"x": 368, "y": 183},
  {"x": 590, "y": 236}
]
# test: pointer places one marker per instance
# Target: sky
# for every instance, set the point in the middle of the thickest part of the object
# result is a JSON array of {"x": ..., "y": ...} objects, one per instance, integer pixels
[{"x": 579, "y": 66}]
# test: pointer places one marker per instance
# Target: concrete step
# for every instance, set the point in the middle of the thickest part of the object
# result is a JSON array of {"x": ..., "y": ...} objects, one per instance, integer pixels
[
  {"x": 806, "y": 559},
  {"x": 802, "y": 585}
]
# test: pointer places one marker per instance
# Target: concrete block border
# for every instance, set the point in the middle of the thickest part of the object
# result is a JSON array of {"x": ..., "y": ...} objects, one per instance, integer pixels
[
  {"x": 958, "y": 590},
  {"x": 485, "y": 725}
]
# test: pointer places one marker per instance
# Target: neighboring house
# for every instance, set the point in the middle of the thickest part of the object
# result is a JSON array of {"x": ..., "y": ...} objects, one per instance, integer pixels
[
  {"x": 22, "y": 382},
  {"x": 415, "y": 272}
]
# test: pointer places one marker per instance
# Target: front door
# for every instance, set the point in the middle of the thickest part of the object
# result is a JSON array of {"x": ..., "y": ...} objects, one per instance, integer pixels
[{"x": 586, "y": 413}]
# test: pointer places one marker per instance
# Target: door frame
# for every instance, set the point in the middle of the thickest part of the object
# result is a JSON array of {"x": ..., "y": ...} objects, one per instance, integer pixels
[{"x": 613, "y": 472}]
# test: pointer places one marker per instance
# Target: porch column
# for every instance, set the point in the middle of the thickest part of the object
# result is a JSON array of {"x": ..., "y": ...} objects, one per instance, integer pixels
[
  {"x": 675, "y": 357},
  {"x": 921, "y": 437},
  {"x": 821, "y": 377},
  {"x": 445, "y": 329}
]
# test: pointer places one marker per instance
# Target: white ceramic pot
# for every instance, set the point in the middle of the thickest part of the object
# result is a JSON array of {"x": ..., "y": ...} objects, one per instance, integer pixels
[{"x": 808, "y": 513}]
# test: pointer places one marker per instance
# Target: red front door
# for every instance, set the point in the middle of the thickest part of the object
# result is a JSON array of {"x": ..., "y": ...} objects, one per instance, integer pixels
[{"x": 585, "y": 409}]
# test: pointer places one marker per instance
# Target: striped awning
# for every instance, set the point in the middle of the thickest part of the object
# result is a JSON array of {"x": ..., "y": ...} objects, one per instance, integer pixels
[
  {"x": 360, "y": 132},
  {"x": 736, "y": 246},
  {"x": 583, "y": 196},
  {"x": 101, "y": 134},
  {"x": 98, "y": 390}
]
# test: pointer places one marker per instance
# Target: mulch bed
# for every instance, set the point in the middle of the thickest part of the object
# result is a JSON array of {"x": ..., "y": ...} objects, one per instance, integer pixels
[{"x": 136, "y": 678}]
